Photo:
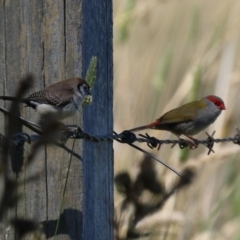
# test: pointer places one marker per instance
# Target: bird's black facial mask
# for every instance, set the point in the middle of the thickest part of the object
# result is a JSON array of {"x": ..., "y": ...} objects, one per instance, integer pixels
[{"x": 84, "y": 89}]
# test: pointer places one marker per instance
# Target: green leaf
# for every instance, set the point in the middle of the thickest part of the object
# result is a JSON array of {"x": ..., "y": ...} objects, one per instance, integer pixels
[
  {"x": 90, "y": 77},
  {"x": 92, "y": 71}
]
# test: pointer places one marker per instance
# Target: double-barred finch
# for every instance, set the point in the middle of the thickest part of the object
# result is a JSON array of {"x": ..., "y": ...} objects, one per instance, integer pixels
[{"x": 59, "y": 100}]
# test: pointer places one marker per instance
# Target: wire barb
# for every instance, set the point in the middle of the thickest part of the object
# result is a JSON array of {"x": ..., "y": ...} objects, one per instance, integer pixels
[
  {"x": 75, "y": 132},
  {"x": 129, "y": 137},
  {"x": 210, "y": 143},
  {"x": 153, "y": 142},
  {"x": 237, "y": 137}
]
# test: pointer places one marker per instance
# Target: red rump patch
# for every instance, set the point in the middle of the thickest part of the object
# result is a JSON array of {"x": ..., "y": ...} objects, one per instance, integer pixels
[{"x": 153, "y": 124}]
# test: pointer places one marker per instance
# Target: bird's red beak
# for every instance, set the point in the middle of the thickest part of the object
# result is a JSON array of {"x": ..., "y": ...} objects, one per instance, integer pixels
[{"x": 222, "y": 106}]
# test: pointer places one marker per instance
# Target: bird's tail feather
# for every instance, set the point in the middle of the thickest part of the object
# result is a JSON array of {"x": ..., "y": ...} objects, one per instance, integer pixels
[
  {"x": 138, "y": 128},
  {"x": 153, "y": 124},
  {"x": 8, "y": 98},
  {"x": 24, "y": 100},
  {"x": 149, "y": 126}
]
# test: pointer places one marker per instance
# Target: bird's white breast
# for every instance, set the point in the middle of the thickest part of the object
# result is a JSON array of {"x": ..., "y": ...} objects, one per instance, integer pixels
[
  {"x": 44, "y": 109},
  {"x": 60, "y": 112}
]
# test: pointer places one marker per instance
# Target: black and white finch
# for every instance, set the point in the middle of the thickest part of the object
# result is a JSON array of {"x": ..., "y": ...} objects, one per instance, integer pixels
[{"x": 58, "y": 101}]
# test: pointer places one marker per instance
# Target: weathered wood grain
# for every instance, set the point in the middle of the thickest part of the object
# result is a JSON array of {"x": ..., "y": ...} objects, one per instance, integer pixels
[
  {"x": 46, "y": 39},
  {"x": 53, "y": 40}
]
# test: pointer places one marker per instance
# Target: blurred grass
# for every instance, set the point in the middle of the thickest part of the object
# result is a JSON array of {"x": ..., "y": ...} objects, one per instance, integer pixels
[
  {"x": 172, "y": 52},
  {"x": 126, "y": 19}
]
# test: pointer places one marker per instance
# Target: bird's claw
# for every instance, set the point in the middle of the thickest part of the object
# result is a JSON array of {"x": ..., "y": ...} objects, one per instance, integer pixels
[
  {"x": 188, "y": 141},
  {"x": 73, "y": 131}
]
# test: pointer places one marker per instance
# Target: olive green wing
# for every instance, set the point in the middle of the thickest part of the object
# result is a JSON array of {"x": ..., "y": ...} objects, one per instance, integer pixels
[{"x": 182, "y": 114}]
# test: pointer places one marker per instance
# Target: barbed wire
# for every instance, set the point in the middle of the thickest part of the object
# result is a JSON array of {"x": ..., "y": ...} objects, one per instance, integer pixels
[
  {"x": 152, "y": 142},
  {"x": 60, "y": 133},
  {"x": 130, "y": 138},
  {"x": 127, "y": 137},
  {"x": 74, "y": 131}
]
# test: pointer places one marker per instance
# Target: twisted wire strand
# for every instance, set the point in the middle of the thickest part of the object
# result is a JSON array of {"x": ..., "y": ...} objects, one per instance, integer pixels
[
  {"x": 123, "y": 137},
  {"x": 126, "y": 137},
  {"x": 129, "y": 138}
]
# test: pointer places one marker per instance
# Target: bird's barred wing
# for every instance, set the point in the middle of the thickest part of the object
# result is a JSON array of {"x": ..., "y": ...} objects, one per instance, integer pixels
[{"x": 45, "y": 97}]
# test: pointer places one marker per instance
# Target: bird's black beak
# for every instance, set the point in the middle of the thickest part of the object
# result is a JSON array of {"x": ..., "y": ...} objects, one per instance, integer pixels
[{"x": 88, "y": 96}]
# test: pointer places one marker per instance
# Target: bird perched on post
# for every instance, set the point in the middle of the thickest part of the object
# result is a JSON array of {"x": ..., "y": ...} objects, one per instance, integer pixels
[
  {"x": 188, "y": 119},
  {"x": 58, "y": 101}
]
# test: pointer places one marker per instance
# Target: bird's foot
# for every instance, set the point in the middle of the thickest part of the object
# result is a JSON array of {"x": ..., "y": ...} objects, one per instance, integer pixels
[
  {"x": 192, "y": 142},
  {"x": 73, "y": 131}
]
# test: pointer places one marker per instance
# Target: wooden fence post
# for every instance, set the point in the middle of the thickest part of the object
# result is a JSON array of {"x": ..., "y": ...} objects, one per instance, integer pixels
[
  {"x": 55, "y": 40},
  {"x": 98, "y": 120}
]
